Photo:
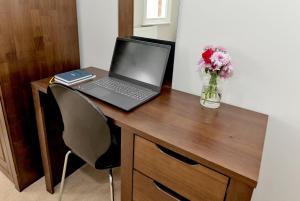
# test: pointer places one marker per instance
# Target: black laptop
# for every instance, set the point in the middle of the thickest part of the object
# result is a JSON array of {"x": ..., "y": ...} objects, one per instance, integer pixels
[{"x": 135, "y": 76}]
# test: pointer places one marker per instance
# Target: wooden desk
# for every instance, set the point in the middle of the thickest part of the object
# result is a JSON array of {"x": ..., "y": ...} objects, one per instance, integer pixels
[{"x": 221, "y": 147}]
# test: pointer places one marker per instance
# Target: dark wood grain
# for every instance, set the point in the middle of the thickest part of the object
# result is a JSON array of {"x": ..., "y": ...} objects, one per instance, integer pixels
[
  {"x": 37, "y": 39},
  {"x": 194, "y": 182},
  {"x": 43, "y": 140},
  {"x": 9, "y": 169},
  {"x": 126, "y": 18},
  {"x": 229, "y": 140},
  {"x": 4, "y": 146},
  {"x": 144, "y": 189},
  {"x": 127, "y": 145},
  {"x": 238, "y": 191}
]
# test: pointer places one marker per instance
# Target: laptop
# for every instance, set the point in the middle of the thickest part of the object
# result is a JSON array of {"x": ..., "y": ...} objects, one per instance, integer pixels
[{"x": 136, "y": 74}]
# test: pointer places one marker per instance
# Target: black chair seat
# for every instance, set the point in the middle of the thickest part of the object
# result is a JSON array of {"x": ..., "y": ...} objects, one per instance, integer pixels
[{"x": 110, "y": 159}]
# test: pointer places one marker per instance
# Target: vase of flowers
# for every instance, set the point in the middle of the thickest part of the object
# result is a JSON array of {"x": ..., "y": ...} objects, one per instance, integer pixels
[{"x": 216, "y": 65}]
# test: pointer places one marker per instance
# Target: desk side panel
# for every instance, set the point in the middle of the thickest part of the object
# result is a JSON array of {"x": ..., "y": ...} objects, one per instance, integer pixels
[{"x": 127, "y": 151}]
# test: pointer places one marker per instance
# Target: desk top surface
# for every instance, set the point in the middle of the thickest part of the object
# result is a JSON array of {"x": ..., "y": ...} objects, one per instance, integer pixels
[{"x": 229, "y": 139}]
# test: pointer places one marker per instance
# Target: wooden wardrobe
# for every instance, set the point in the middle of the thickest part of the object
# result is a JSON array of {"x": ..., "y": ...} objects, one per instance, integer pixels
[{"x": 38, "y": 38}]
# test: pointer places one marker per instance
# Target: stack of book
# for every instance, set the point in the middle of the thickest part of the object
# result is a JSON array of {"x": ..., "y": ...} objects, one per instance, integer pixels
[{"x": 74, "y": 77}]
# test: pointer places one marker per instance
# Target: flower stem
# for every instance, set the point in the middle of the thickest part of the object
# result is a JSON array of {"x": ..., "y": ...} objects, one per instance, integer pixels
[{"x": 212, "y": 89}]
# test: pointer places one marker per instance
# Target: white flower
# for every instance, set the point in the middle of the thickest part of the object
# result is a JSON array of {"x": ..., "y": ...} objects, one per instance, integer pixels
[{"x": 220, "y": 59}]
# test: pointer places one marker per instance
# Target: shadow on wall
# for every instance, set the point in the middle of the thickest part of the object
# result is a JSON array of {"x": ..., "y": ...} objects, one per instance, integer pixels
[{"x": 278, "y": 160}]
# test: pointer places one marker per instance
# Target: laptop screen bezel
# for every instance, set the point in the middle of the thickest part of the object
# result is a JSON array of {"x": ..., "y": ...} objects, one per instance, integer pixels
[{"x": 140, "y": 83}]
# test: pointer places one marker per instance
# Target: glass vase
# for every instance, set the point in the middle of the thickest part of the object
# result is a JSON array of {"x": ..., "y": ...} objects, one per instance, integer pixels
[{"x": 211, "y": 92}]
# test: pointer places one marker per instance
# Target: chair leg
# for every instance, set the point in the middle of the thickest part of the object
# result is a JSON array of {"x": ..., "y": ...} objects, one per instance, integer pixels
[
  {"x": 63, "y": 175},
  {"x": 111, "y": 181}
]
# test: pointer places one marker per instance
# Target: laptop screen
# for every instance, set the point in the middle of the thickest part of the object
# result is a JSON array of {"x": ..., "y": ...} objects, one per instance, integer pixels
[{"x": 140, "y": 61}]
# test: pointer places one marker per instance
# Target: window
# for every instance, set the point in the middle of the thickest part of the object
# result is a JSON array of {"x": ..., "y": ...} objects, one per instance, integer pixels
[{"x": 157, "y": 12}]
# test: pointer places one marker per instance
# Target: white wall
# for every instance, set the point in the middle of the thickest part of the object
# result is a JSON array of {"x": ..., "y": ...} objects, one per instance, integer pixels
[
  {"x": 98, "y": 29},
  {"x": 138, "y": 13},
  {"x": 263, "y": 39},
  {"x": 147, "y": 32}
]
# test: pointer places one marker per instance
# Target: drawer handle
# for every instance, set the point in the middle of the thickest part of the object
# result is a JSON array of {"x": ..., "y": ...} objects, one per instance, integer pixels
[
  {"x": 169, "y": 192},
  {"x": 177, "y": 156}
]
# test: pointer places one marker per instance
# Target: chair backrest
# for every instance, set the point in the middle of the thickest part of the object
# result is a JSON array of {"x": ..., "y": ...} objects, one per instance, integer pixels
[{"x": 86, "y": 131}]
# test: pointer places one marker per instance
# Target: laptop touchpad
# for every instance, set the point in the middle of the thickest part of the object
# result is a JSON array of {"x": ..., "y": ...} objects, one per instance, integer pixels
[{"x": 99, "y": 92}]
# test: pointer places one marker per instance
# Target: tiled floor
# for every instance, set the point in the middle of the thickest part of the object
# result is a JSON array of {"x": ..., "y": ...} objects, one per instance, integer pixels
[{"x": 86, "y": 184}]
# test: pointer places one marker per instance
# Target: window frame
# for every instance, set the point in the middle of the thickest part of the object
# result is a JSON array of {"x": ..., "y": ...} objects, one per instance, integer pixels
[{"x": 158, "y": 21}]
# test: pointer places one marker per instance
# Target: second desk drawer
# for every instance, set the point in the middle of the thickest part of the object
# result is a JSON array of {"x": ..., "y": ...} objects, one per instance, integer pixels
[
  {"x": 193, "y": 181},
  {"x": 145, "y": 189}
]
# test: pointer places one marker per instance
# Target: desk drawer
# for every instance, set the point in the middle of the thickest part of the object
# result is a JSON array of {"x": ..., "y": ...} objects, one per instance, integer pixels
[
  {"x": 145, "y": 189},
  {"x": 185, "y": 177}
]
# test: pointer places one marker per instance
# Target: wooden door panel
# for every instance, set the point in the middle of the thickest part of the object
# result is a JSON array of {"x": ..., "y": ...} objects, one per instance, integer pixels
[
  {"x": 38, "y": 38},
  {"x": 4, "y": 164}
]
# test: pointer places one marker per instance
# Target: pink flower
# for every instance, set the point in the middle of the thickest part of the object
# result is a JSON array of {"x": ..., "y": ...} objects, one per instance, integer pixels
[
  {"x": 203, "y": 65},
  {"x": 216, "y": 59},
  {"x": 220, "y": 59},
  {"x": 226, "y": 71},
  {"x": 213, "y": 67}
]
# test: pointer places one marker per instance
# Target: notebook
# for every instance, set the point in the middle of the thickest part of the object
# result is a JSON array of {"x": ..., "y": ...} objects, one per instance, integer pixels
[{"x": 73, "y": 77}]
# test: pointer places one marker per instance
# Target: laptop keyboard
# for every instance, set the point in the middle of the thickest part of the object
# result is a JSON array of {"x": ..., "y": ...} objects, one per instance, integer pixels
[{"x": 121, "y": 87}]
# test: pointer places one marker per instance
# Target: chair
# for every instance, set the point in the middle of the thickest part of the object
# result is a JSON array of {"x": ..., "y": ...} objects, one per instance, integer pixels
[{"x": 86, "y": 132}]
